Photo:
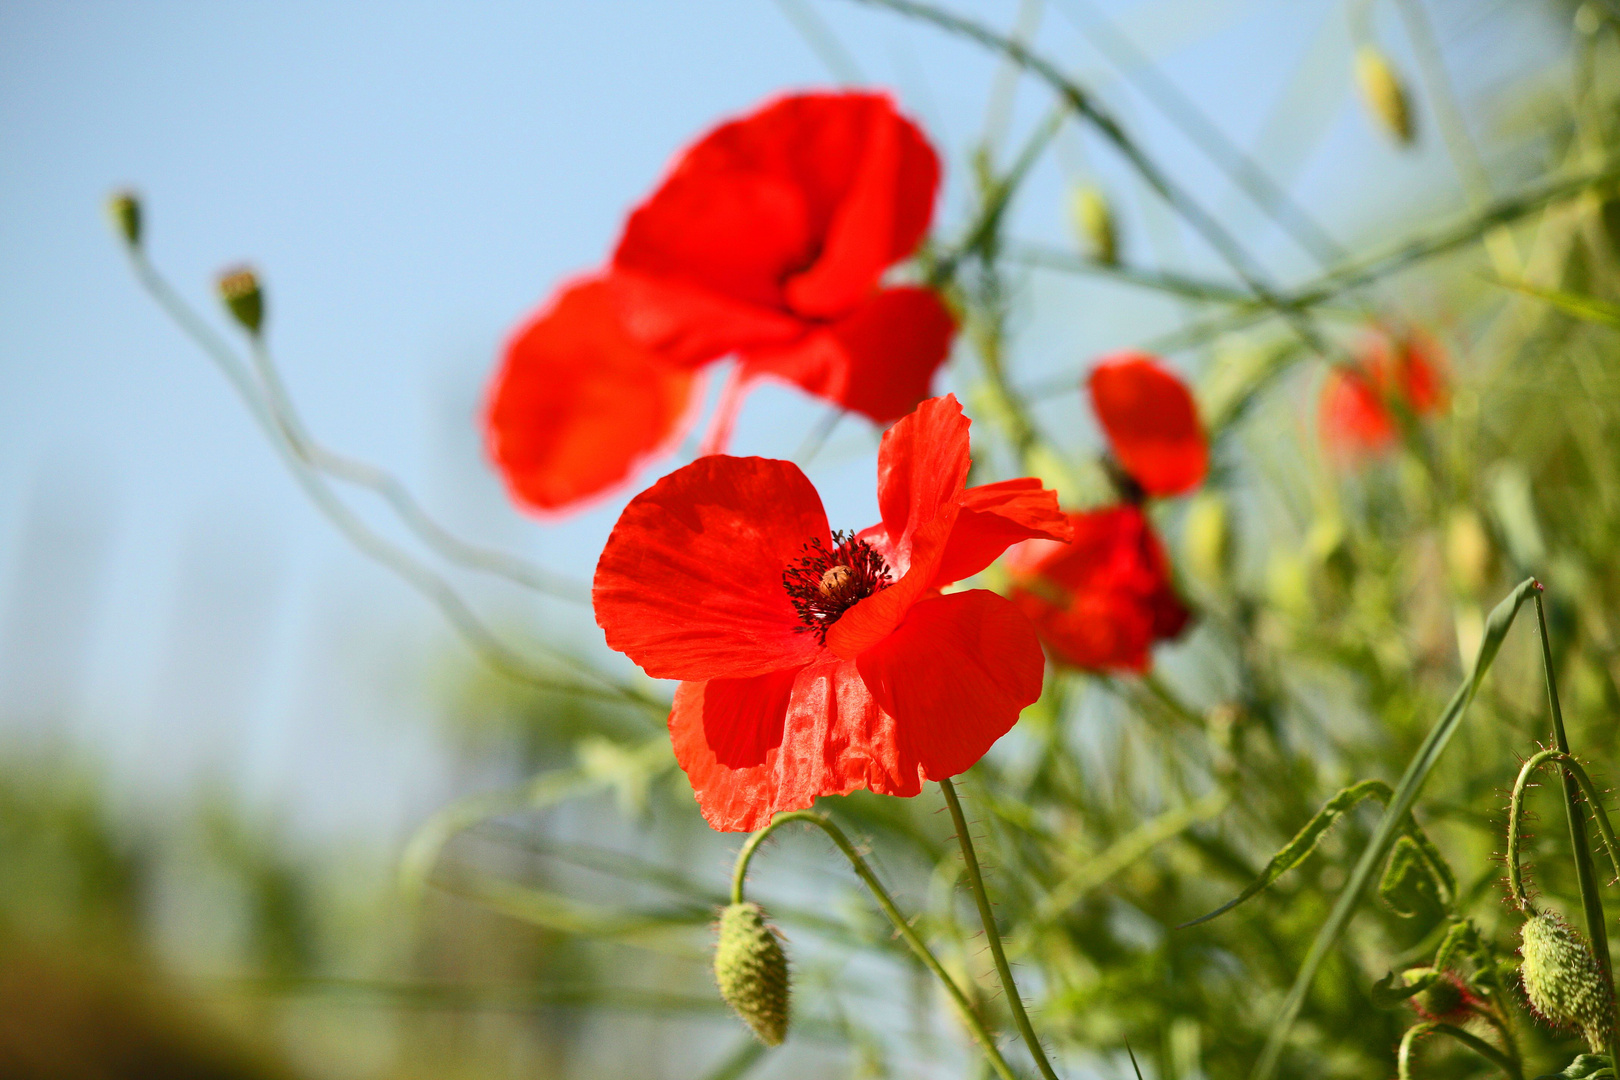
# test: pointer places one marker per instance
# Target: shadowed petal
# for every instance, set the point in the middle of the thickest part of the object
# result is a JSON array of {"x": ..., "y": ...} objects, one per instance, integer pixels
[
  {"x": 1151, "y": 421},
  {"x": 993, "y": 518},
  {"x": 690, "y": 583}
]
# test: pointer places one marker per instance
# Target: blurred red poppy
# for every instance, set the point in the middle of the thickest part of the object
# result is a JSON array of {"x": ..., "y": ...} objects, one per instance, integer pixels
[
  {"x": 1151, "y": 422},
  {"x": 767, "y": 241},
  {"x": 1355, "y": 417},
  {"x": 1100, "y": 602},
  {"x": 814, "y": 662}
]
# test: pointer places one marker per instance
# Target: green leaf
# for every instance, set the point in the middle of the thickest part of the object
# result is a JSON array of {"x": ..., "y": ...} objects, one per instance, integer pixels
[
  {"x": 1585, "y": 1067},
  {"x": 1579, "y": 305},
  {"x": 1408, "y": 887},
  {"x": 1390, "y": 825}
]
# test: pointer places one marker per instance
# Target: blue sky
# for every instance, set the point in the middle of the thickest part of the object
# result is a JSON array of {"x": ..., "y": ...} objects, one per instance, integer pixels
[{"x": 410, "y": 178}]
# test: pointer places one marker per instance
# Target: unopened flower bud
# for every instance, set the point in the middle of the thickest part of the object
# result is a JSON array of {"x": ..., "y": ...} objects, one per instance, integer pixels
[
  {"x": 1445, "y": 998},
  {"x": 752, "y": 971},
  {"x": 1094, "y": 224},
  {"x": 1207, "y": 537},
  {"x": 1563, "y": 981},
  {"x": 239, "y": 288},
  {"x": 124, "y": 208},
  {"x": 1468, "y": 552},
  {"x": 1383, "y": 94}
]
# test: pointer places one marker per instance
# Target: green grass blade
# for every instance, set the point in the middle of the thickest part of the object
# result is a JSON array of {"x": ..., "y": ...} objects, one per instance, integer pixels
[
  {"x": 1579, "y": 305},
  {"x": 1390, "y": 824}
]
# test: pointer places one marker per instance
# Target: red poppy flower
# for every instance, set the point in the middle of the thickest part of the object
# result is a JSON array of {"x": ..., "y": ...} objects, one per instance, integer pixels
[
  {"x": 814, "y": 662},
  {"x": 767, "y": 241},
  {"x": 1151, "y": 422},
  {"x": 1100, "y": 602},
  {"x": 1355, "y": 417}
]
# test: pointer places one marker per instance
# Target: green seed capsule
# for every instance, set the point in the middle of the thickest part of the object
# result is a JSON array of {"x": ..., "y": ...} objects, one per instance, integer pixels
[
  {"x": 1563, "y": 981},
  {"x": 752, "y": 971},
  {"x": 243, "y": 297},
  {"x": 1094, "y": 223}
]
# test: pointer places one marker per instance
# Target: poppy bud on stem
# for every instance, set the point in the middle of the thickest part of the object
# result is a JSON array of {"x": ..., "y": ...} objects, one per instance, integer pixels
[
  {"x": 1383, "y": 94},
  {"x": 1094, "y": 222},
  {"x": 1563, "y": 981},
  {"x": 243, "y": 297},
  {"x": 124, "y": 208},
  {"x": 752, "y": 971}
]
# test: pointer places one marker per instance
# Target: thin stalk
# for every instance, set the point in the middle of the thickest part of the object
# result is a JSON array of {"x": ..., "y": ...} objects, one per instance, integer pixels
[
  {"x": 988, "y": 917},
  {"x": 450, "y": 603},
  {"x": 392, "y": 491},
  {"x": 1585, "y": 871},
  {"x": 902, "y": 927},
  {"x": 1468, "y": 1039}
]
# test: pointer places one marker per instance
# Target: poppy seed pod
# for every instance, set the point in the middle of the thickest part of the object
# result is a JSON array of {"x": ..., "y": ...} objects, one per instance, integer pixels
[
  {"x": 1563, "y": 981},
  {"x": 1383, "y": 94},
  {"x": 1207, "y": 538},
  {"x": 239, "y": 288},
  {"x": 124, "y": 208},
  {"x": 1094, "y": 224},
  {"x": 752, "y": 971}
]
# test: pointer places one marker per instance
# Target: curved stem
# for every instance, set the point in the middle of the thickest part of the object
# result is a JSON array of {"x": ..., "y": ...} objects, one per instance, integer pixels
[
  {"x": 1472, "y": 1041},
  {"x": 1585, "y": 873},
  {"x": 901, "y": 926},
  {"x": 1516, "y": 828},
  {"x": 976, "y": 883}
]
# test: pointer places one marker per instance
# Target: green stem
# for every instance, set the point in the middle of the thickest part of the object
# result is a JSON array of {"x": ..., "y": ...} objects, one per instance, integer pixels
[
  {"x": 1585, "y": 872},
  {"x": 1472, "y": 1041},
  {"x": 988, "y": 917},
  {"x": 1516, "y": 829},
  {"x": 901, "y": 926}
]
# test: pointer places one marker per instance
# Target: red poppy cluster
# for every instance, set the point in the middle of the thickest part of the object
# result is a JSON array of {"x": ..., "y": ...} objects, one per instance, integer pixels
[
  {"x": 1100, "y": 602},
  {"x": 817, "y": 662},
  {"x": 1356, "y": 420},
  {"x": 767, "y": 241}
]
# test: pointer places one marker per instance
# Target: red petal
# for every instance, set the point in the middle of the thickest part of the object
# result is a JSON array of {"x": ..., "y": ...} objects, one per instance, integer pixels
[
  {"x": 1151, "y": 421},
  {"x": 993, "y": 518},
  {"x": 690, "y": 583},
  {"x": 1100, "y": 602},
  {"x": 1353, "y": 417},
  {"x": 788, "y": 216},
  {"x": 879, "y": 361},
  {"x": 922, "y": 467},
  {"x": 577, "y": 407},
  {"x": 754, "y": 747},
  {"x": 955, "y": 675}
]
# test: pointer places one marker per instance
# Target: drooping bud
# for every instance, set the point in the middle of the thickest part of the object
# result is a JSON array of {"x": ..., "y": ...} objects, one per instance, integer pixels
[
  {"x": 752, "y": 971},
  {"x": 1094, "y": 224},
  {"x": 1563, "y": 981},
  {"x": 124, "y": 208},
  {"x": 1383, "y": 93},
  {"x": 239, "y": 288}
]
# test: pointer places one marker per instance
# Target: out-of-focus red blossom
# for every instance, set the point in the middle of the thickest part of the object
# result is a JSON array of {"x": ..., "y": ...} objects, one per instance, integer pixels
[
  {"x": 767, "y": 241},
  {"x": 1355, "y": 419},
  {"x": 1151, "y": 422},
  {"x": 1100, "y": 602},
  {"x": 815, "y": 663}
]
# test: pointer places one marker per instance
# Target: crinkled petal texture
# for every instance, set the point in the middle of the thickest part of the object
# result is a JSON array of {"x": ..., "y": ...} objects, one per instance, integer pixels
[
  {"x": 1151, "y": 421},
  {"x": 577, "y": 407},
  {"x": 910, "y": 685},
  {"x": 1102, "y": 601}
]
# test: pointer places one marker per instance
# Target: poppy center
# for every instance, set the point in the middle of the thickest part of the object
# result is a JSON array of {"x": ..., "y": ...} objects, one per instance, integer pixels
[{"x": 826, "y": 582}]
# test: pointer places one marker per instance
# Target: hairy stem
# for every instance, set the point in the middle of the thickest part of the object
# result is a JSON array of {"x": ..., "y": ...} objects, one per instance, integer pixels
[
  {"x": 902, "y": 927},
  {"x": 988, "y": 917}
]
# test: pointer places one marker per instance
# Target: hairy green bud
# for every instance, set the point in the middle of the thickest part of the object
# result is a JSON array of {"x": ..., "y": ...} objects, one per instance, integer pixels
[
  {"x": 752, "y": 971},
  {"x": 243, "y": 297},
  {"x": 1383, "y": 94},
  {"x": 1094, "y": 223},
  {"x": 1563, "y": 981},
  {"x": 1443, "y": 999},
  {"x": 124, "y": 208}
]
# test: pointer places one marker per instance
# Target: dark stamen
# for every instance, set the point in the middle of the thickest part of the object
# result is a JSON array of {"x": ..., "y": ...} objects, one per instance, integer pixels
[{"x": 824, "y": 583}]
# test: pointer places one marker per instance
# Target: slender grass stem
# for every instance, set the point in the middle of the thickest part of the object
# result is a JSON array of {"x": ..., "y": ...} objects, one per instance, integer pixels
[
  {"x": 992, "y": 935},
  {"x": 864, "y": 871},
  {"x": 1585, "y": 871}
]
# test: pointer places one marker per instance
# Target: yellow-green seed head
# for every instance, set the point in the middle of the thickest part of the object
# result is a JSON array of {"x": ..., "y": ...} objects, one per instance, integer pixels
[
  {"x": 1094, "y": 223},
  {"x": 243, "y": 297},
  {"x": 1207, "y": 537},
  {"x": 1563, "y": 981},
  {"x": 752, "y": 971},
  {"x": 1383, "y": 94},
  {"x": 124, "y": 208}
]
